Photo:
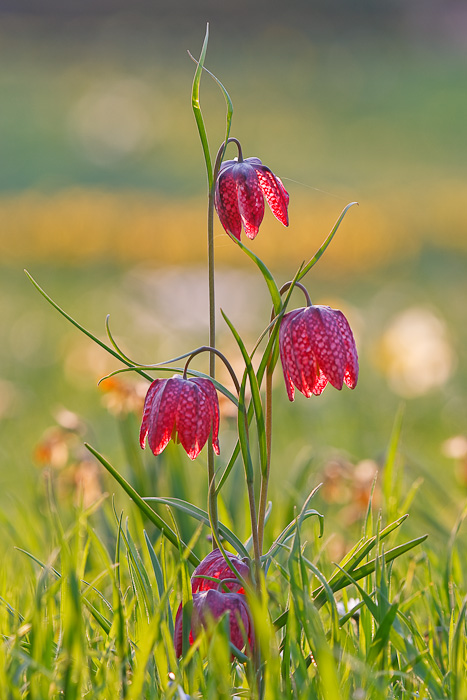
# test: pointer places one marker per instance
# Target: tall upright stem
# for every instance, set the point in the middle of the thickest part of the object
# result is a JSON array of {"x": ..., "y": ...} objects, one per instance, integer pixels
[
  {"x": 212, "y": 318},
  {"x": 212, "y": 356},
  {"x": 263, "y": 497}
]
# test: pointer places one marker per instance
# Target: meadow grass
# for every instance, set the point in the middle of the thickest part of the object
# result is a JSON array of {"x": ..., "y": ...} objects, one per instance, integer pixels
[{"x": 94, "y": 618}]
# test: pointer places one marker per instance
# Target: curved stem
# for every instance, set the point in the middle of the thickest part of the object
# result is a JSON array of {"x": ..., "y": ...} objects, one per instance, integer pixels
[
  {"x": 207, "y": 348},
  {"x": 221, "y": 152},
  {"x": 287, "y": 285}
]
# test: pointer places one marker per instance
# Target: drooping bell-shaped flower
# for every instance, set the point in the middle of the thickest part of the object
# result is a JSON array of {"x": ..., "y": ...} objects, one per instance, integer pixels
[
  {"x": 215, "y": 566},
  {"x": 209, "y": 606},
  {"x": 316, "y": 347},
  {"x": 241, "y": 187},
  {"x": 187, "y": 408}
]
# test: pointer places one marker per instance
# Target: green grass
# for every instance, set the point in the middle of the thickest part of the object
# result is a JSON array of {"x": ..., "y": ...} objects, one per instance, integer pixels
[{"x": 95, "y": 618}]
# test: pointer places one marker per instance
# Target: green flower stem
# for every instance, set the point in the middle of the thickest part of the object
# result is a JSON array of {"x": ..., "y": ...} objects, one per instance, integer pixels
[
  {"x": 263, "y": 498},
  {"x": 212, "y": 495},
  {"x": 212, "y": 357},
  {"x": 254, "y": 532}
]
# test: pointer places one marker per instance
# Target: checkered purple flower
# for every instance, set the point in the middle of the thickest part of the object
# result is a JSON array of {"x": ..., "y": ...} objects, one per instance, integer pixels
[
  {"x": 241, "y": 187},
  {"x": 183, "y": 408},
  {"x": 316, "y": 347}
]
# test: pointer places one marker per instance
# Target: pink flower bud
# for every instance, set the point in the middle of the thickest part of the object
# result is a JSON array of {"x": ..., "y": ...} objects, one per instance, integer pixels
[{"x": 215, "y": 566}]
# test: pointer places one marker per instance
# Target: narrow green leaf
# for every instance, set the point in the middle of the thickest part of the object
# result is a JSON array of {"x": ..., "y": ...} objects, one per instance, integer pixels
[
  {"x": 381, "y": 637},
  {"x": 243, "y": 432},
  {"x": 326, "y": 243},
  {"x": 268, "y": 278},
  {"x": 83, "y": 330},
  {"x": 142, "y": 505},
  {"x": 196, "y": 105},
  {"x": 202, "y": 516},
  {"x": 457, "y": 654},
  {"x": 155, "y": 565},
  {"x": 255, "y": 395}
]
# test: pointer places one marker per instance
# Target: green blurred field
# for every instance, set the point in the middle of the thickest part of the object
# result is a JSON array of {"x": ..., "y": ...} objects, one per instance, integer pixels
[{"x": 102, "y": 200}]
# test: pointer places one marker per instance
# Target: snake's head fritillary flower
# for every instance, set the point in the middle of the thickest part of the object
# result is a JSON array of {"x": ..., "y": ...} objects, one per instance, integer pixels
[
  {"x": 187, "y": 408},
  {"x": 241, "y": 187},
  {"x": 209, "y": 606},
  {"x": 316, "y": 347},
  {"x": 215, "y": 566}
]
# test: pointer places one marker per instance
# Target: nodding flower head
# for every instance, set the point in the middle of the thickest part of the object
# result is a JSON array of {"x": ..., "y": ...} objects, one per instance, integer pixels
[
  {"x": 239, "y": 196},
  {"x": 215, "y": 566},
  {"x": 316, "y": 347},
  {"x": 209, "y": 606},
  {"x": 187, "y": 408}
]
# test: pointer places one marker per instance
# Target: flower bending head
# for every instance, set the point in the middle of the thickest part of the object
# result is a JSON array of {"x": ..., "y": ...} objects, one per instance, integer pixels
[
  {"x": 316, "y": 347},
  {"x": 240, "y": 189},
  {"x": 187, "y": 408}
]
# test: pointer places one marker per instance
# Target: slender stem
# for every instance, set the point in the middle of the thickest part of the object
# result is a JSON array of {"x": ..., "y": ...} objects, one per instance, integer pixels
[
  {"x": 263, "y": 498},
  {"x": 212, "y": 356},
  {"x": 254, "y": 533},
  {"x": 212, "y": 317}
]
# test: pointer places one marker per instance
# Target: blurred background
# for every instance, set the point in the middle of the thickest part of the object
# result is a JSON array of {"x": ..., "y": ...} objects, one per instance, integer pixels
[{"x": 103, "y": 199}]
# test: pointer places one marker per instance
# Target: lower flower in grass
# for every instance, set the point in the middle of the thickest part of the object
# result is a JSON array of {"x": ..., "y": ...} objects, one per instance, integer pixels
[
  {"x": 214, "y": 598},
  {"x": 215, "y": 566},
  {"x": 209, "y": 606},
  {"x": 183, "y": 408},
  {"x": 316, "y": 347}
]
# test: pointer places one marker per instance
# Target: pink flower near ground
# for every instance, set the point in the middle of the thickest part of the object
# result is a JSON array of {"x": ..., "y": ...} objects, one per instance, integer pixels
[
  {"x": 211, "y": 600},
  {"x": 215, "y": 566},
  {"x": 316, "y": 347},
  {"x": 239, "y": 196},
  {"x": 187, "y": 408},
  {"x": 209, "y": 606}
]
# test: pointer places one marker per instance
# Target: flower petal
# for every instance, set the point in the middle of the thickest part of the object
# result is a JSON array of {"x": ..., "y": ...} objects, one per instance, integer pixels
[
  {"x": 212, "y": 604},
  {"x": 287, "y": 356},
  {"x": 211, "y": 394},
  {"x": 351, "y": 369},
  {"x": 192, "y": 419},
  {"x": 162, "y": 414},
  {"x": 320, "y": 383},
  {"x": 226, "y": 202},
  {"x": 328, "y": 344},
  {"x": 215, "y": 566},
  {"x": 276, "y": 195},
  {"x": 297, "y": 355},
  {"x": 156, "y": 386},
  {"x": 250, "y": 198}
]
